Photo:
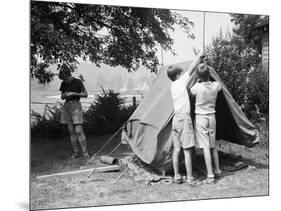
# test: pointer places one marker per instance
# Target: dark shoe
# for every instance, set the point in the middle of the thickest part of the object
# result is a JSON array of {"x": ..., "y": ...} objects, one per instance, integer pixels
[
  {"x": 178, "y": 179},
  {"x": 218, "y": 175}
]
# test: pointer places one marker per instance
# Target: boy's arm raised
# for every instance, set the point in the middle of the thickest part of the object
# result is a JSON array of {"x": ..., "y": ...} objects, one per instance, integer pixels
[{"x": 199, "y": 59}]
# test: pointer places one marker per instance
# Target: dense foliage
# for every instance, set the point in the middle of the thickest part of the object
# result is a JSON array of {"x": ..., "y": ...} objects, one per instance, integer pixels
[
  {"x": 237, "y": 59},
  {"x": 47, "y": 125},
  {"x": 125, "y": 36},
  {"x": 106, "y": 115},
  {"x": 248, "y": 27}
]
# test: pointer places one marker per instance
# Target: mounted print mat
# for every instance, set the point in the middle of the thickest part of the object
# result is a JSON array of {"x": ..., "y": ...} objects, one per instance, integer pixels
[{"x": 136, "y": 105}]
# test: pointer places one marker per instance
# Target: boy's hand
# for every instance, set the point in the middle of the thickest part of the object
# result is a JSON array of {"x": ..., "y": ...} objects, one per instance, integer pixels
[
  {"x": 69, "y": 94},
  {"x": 202, "y": 57},
  {"x": 63, "y": 96},
  {"x": 202, "y": 53},
  {"x": 199, "y": 59}
]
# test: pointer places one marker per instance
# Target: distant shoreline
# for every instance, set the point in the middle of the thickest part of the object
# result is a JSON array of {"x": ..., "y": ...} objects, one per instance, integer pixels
[{"x": 38, "y": 102}]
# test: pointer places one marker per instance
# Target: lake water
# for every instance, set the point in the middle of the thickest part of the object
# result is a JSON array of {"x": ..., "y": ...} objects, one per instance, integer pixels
[{"x": 39, "y": 100}]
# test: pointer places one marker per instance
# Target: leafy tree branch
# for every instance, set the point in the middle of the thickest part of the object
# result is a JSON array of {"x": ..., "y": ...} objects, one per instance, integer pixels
[{"x": 116, "y": 36}]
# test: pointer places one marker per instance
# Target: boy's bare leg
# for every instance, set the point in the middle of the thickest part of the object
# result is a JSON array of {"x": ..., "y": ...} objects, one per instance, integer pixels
[
  {"x": 176, "y": 154},
  {"x": 82, "y": 140},
  {"x": 188, "y": 163},
  {"x": 73, "y": 139},
  {"x": 208, "y": 161},
  {"x": 216, "y": 160}
]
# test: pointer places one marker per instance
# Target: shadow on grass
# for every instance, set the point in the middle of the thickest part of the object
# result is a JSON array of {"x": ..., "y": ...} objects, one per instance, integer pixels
[
  {"x": 229, "y": 164},
  {"x": 253, "y": 161},
  {"x": 54, "y": 156}
]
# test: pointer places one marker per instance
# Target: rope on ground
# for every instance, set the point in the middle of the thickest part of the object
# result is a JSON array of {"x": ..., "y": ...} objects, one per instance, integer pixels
[
  {"x": 115, "y": 148},
  {"x": 109, "y": 140}
]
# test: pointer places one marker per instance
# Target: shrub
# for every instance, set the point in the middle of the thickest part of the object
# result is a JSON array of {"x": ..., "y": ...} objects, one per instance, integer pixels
[
  {"x": 262, "y": 126},
  {"x": 47, "y": 125},
  {"x": 256, "y": 101},
  {"x": 107, "y": 114},
  {"x": 239, "y": 66}
]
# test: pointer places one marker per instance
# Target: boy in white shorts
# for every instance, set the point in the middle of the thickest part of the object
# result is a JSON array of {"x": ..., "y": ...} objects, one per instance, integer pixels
[
  {"x": 182, "y": 127},
  {"x": 205, "y": 93}
]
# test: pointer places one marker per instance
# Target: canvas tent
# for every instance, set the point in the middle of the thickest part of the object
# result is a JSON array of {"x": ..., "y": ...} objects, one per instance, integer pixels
[{"x": 149, "y": 128}]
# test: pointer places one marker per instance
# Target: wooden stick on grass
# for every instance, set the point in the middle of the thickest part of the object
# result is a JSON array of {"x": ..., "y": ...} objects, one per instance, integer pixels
[{"x": 99, "y": 169}]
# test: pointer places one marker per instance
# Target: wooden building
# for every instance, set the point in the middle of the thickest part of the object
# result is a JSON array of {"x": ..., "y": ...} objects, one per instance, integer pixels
[
  {"x": 263, "y": 31},
  {"x": 265, "y": 49}
]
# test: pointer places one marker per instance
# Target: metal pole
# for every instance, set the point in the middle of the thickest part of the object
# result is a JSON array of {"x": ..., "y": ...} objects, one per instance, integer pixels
[
  {"x": 162, "y": 56},
  {"x": 204, "y": 31}
]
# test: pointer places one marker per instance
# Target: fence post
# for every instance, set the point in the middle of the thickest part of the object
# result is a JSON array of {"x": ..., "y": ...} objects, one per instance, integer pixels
[{"x": 134, "y": 102}]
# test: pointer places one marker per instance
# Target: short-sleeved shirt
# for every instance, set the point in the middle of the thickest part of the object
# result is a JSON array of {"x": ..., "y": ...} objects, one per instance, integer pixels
[
  {"x": 205, "y": 96},
  {"x": 75, "y": 85},
  {"x": 180, "y": 95}
]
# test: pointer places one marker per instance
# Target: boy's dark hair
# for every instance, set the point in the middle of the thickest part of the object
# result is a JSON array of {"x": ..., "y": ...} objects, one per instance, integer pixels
[
  {"x": 203, "y": 72},
  {"x": 173, "y": 71},
  {"x": 65, "y": 72}
]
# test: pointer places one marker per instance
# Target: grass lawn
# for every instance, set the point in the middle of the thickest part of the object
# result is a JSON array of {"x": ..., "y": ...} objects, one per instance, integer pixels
[{"x": 77, "y": 190}]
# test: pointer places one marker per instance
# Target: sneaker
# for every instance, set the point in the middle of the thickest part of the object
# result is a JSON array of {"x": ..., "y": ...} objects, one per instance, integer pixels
[
  {"x": 193, "y": 182},
  {"x": 209, "y": 180},
  {"x": 178, "y": 179},
  {"x": 86, "y": 156},
  {"x": 75, "y": 155}
]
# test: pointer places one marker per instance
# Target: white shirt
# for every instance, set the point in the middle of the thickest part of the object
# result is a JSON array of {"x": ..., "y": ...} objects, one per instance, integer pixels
[
  {"x": 206, "y": 96},
  {"x": 179, "y": 94}
]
